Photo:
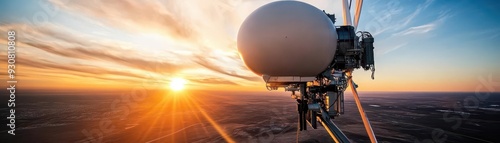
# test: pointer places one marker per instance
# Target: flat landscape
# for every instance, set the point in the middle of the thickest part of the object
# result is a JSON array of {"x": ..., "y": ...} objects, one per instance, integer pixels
[{"x": 247, "y": 117}]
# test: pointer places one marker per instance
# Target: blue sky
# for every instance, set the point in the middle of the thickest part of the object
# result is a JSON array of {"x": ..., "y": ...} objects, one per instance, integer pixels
[
  {"x": 421, "y": 45},
  {"x": 447, "y": 44}
]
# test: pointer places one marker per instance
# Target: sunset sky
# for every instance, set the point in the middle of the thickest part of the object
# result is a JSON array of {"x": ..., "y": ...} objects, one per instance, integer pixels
[{"x": 68, "y": 44}]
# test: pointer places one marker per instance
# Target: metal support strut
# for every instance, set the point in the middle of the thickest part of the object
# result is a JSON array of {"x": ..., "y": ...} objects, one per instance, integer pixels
[
  {"x": 334, "y": 132},
  {"x": 366, "y": 122}
]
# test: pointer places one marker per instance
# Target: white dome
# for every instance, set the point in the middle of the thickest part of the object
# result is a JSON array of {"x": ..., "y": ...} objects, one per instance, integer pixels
[{"x": 287, "y": 38}]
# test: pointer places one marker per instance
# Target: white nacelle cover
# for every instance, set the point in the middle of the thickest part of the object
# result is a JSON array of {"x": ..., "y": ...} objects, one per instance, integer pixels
[{"x": 287, "y": 38}]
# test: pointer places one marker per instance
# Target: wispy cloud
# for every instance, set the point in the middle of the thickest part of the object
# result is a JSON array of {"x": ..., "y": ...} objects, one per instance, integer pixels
[
  {"x": 71, "y": 52},
  {"x": 393, "y": 17},
  {"x": 215, "y": 63},
  {"x": 426, "y": 28},
  {"x": 179, "y": 19},
  {"x": 385, "y": 50},
  {"x": 214, "y": 81},
  {"x": 422, "y": 29},
  {"x": 130, "y": 14},
  {"x": 408, "y": 19},
  {"x": 82, "y": 53},
  {"x": 66, "y": 43},
  {"x": 76, "y": 69}
]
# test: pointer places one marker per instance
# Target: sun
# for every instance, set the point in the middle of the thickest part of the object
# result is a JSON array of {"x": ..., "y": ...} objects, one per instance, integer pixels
[{"x": 177, "y": 84}]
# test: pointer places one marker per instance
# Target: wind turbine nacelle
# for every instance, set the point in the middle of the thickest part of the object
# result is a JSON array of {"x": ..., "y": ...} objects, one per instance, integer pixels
[{"x": 287, "y": 38}]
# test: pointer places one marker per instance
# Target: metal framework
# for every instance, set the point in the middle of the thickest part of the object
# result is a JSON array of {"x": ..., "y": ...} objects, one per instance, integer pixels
[{"x": 321, "y": 98}]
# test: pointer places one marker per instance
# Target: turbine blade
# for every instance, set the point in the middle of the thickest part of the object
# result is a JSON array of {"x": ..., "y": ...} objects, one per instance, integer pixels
[
  {"x": 357, "y": 13},
  {"x": 346, "y": 13}
]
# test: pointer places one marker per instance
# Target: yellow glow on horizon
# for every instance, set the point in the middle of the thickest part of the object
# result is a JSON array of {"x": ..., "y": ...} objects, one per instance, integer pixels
[{"x": 177, "y": 84}]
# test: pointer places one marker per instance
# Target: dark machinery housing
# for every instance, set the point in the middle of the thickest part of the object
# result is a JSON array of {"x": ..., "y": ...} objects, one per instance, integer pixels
[{"x": 323, "y": 98}]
